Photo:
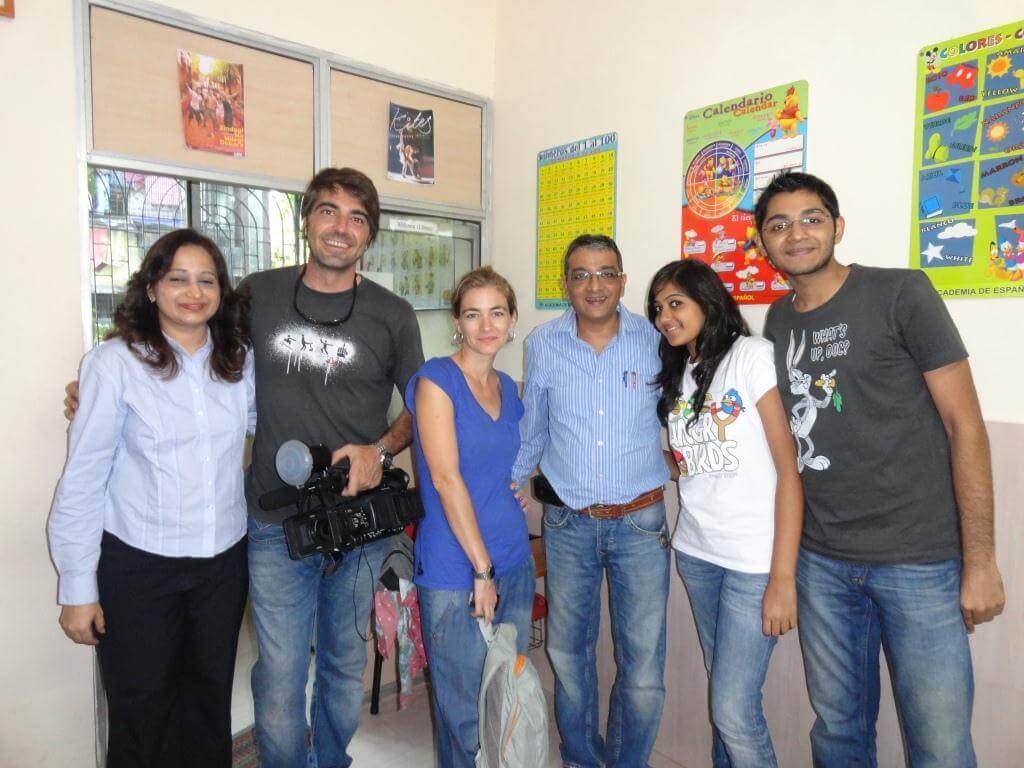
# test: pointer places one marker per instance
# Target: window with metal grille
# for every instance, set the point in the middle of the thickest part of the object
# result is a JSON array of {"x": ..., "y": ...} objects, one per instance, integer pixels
[
  {"x": 256, "y": 229},
  {"x": 418, "y": 257}
]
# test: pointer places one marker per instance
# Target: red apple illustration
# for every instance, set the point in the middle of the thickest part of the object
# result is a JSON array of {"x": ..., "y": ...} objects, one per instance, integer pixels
[{"x": 937, "y": 99}]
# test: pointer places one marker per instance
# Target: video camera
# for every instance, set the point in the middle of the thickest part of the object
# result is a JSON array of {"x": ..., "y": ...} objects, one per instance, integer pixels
[{"x": 326, "y": 520}]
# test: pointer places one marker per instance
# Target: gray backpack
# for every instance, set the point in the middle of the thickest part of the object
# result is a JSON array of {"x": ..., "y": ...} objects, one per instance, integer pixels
[{"x": 513, "y": 712}]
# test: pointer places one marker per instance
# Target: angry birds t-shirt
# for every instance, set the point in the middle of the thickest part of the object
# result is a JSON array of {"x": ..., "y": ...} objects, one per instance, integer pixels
[{"x": 726, "y": 473}]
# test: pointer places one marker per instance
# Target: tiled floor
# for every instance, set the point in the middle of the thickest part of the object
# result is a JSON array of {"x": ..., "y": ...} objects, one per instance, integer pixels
[{"x": 404, "y": 739}]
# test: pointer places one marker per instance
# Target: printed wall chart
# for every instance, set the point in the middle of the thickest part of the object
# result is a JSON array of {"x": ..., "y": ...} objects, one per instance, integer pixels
[
  {"x": 731, "y": 151},
  {"x": 968, "y": 205},
  {"x": 575, "y": 196}
]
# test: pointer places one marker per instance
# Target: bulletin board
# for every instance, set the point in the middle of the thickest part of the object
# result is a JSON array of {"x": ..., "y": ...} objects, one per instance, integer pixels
[
  {"x": 732, "y": 149},
  {"x": 575, "y": 196},
  {"x": 967, "y": 220},
  {"x": 360, "y": 116},
  {"x": 136, "y": 110}
]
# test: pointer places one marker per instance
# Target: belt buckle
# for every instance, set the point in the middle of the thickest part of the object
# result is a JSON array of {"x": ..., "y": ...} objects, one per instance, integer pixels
[{"x": 602, "y": 511}]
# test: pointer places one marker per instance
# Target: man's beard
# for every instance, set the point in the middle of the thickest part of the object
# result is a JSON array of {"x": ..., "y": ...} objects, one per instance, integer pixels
[{"x": 327, "y": 264}]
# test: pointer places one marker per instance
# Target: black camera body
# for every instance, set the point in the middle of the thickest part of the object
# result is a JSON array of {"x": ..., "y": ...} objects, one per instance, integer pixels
[{"x": 327, "y": 521}]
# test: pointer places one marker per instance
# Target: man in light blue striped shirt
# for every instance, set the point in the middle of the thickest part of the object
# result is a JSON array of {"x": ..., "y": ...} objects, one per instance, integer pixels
[{"x": 591, "y": 424}]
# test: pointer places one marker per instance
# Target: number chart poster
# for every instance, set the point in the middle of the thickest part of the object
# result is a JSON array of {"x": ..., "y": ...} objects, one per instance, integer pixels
[
  {"x": 967, "y": 230},
  {"x": 575, "y": 196},
  {"x": 731, "y": 151}
]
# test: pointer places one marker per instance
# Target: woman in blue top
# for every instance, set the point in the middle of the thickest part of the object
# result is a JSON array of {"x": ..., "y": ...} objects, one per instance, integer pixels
[
  {"x": 472, "y": 548},
  {"x": 148, "y": 525}
]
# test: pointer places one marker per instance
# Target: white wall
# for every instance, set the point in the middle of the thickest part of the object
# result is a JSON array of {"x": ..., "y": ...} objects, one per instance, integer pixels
[
  {"x": 566, "y": 71},
  {"x": 570, "y": 70},
  {"x": 558, "y": 71},
  {"x": 45, "y": 681}
]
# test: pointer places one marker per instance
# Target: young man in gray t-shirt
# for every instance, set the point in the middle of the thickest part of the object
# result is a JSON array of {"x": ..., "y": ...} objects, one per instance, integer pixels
[
  {"x": 897, "y": 546},
  {"x": 330, "y": 349}
]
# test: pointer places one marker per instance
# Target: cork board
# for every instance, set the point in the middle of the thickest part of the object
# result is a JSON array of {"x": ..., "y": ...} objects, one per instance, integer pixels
[
  {"x": 136, "y": 107},
  {"x": 359, "y": 130}
]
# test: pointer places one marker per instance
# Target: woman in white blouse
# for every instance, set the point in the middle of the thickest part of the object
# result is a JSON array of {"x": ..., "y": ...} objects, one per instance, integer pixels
[{"x": 148, "y": 525}]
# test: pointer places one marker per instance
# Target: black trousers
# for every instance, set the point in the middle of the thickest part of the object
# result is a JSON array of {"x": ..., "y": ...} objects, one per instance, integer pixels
[{"x": 168, "y": 656}]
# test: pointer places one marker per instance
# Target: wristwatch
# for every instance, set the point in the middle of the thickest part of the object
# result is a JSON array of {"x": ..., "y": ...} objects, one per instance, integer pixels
[
  {"x": 386, "y": 459},
  {"x": 487, "y": 575}
]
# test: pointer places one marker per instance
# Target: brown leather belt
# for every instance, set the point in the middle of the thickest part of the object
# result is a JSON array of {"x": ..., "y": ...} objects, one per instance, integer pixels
[{"x": 612, "y": 511}]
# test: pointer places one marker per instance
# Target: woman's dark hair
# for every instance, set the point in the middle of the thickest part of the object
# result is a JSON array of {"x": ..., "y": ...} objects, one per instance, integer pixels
[
  {"x": 723, "y": 323},
  {"x": 137, "y": 321}
]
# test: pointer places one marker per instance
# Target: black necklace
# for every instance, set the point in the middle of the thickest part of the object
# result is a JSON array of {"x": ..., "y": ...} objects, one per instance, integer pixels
[{"x": 312, "y": 321}]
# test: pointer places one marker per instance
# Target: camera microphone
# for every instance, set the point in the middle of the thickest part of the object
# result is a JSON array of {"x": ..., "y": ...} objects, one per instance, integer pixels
[
  {"x": 326, "y": 520},
  {"x": 296, "y": 462}
]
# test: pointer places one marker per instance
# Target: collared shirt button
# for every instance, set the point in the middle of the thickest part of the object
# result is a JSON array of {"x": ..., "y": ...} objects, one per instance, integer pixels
[
  {"x": 600, "y": 443},
  {"x": 600, "y": 412}
]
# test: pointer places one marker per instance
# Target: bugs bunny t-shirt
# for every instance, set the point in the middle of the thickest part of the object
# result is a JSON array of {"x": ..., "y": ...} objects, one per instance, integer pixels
[{"x": 871, "y": 449}]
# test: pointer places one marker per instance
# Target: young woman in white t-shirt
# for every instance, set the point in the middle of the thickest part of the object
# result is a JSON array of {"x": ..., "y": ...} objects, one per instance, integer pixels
[{"x": 740, "y": 500}]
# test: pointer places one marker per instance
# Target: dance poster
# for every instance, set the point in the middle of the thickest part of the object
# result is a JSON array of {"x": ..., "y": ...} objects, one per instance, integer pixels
[
  {"x": 967, "y": 221},
  {"x": 575, "y": 196},
  {"x": 212, "y": 103},
  {"x": 731, "y": 151},
  {"x": 410, "y": 144}
]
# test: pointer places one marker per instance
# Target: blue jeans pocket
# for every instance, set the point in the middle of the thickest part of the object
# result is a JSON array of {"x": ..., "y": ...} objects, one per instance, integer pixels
[
  {"x": 261, "y": 532},
  {"x": 649, "y": 521},
  {"x": 557, "y": 517}
]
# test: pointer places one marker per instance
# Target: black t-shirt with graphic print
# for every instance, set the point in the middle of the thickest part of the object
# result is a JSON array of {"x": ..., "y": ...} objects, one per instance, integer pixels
[
  {"x": 872, "y": 450},
  {"x": 323, "y": 384}
]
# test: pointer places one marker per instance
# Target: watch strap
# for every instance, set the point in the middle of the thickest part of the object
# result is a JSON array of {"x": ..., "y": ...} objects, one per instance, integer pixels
[
  {"x": 487, "y": 575},
  {"x": 386, "y": 459}
]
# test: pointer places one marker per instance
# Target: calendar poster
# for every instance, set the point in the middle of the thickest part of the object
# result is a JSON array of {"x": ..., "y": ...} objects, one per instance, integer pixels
[
  {"x": 967, "y": 221},
  {"x": 575, "y": 196},
  {"x": 731, "y": 151}
]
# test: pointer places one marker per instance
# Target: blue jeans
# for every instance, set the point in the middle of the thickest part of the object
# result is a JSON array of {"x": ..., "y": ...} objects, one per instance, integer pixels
[
  {"x": 456, "y": 650},
  {"x": 634, "y": 551},
  {"x": 727, "y": 610},
  {"x": 848, "y": 611},
  {"x": 290, "y": 599}
]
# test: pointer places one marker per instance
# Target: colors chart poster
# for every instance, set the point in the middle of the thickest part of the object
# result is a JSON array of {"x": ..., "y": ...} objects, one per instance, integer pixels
[
  {"x": 731, "y": 151},
  {"x": 967, "y": 230}
]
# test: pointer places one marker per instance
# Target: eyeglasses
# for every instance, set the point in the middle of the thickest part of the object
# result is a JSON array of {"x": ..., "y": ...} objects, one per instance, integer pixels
[
  {"x": 604, "y": 275},
  {"x": 812, "y": 221}
]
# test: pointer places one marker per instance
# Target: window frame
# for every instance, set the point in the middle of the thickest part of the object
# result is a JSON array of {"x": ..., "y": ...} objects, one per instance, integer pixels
[{"x": 323, "y": 62}]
